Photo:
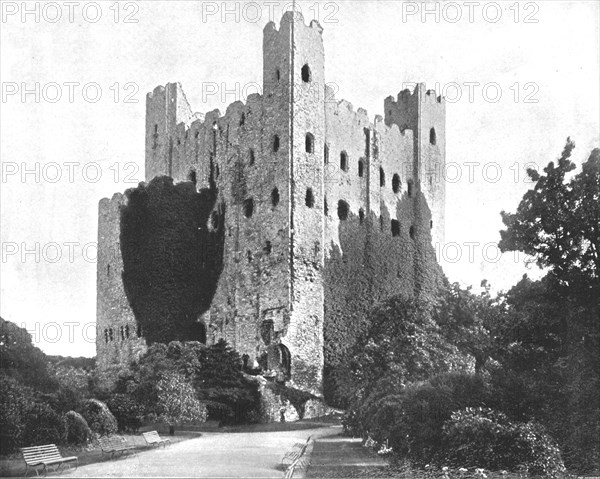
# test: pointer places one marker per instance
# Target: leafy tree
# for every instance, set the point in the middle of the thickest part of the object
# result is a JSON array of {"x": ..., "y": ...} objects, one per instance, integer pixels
[
  {"x": 177, "y": 401},
  {"x": 99, "y": 417},
  {"x": 20, "y": 359}
]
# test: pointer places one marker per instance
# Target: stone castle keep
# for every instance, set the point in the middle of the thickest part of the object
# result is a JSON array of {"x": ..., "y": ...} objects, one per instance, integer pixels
[{"x": 323, "y": 213}]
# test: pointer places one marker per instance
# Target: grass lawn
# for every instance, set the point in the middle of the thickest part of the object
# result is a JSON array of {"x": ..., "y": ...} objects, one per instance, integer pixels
[{"x": 13, "y": 465}]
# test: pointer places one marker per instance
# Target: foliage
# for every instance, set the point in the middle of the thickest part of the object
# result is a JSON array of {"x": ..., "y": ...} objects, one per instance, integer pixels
[
  {"x": 482, "y": 437},
  {"x": 77, "y": 429},
  {"x": 171, "y": 261},
  {"x": 177, "y": 401},
  {"x": 99, "y": 418},
  {"x": 20, "y": 359},
  {"x": 410, "y": 418},
  {"x": 127, "y": 411},
  {"x": 15, "y": 401},
  {"x": 42, "y": 425},
  {"x": 557, "y": 221}
]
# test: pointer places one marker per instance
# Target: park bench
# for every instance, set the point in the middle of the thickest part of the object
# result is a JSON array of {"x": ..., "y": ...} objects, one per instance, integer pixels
[
  {"x": 295, "y": 458},
  {"x": 47, "y": 455},
  {"x": 113, "y": 444},
  {"x": 152, "y": 438}
]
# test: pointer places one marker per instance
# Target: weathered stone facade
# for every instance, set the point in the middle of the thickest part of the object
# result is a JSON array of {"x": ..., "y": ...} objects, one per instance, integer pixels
[{"x": 324, "y": 212}]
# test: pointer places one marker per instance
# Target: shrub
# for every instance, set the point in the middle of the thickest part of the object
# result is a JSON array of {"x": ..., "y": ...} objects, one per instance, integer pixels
[
  {"x": 15, "y": 400},
  {"x": 99, "y": 417},
  {"x": 127, "y": 412},
  {"x": 78, "y": 431},
  {"x": 42, "y": 426},
  {"x": 482, "y": 437}
]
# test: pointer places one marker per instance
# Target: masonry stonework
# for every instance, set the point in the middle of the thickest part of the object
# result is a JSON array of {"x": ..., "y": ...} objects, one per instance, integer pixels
[{"x": 324, "y": 212}]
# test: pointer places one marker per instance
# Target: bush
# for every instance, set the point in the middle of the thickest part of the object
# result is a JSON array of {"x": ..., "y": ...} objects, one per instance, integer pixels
[
  {"x": 482, "y": 437},
  {"x": 127, "y": 412},
  {"x": 99, "y": 417},
  {"x": 42, "y": 426},
  {"x": 15, "y": 400},
  {"x": 78, "y": 431},
  {"x": 411, "y": 418}
]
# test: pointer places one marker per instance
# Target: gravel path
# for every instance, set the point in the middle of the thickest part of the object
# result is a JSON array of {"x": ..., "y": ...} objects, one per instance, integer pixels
[{"x": 255, "y": 454}]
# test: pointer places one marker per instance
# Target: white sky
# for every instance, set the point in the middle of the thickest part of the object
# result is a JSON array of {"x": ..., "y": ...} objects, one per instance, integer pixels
[{"x": 371, "y": 51}]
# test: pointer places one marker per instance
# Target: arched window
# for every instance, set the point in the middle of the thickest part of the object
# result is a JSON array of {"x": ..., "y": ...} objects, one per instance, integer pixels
[
  {"x": 343, "y": 210},
  {"x": 286, "y": 360},
  {"x": 275, "y": 197},
  {"x": 381, "y": 177},
  {"x": 310, "y": 143},
  {"x": 310, "y": 198},
  {"x": 361, "y": 168},
  {"x": 410, "y": 186},
  {"x": 432, "y": 136},
  {"x": 344, "y": 161},
  {"x": 192, "y": 176},
  {"x": 276, "y": 143},
  {"x": 277, "y": 75},
  {"x": 361, "y": 216},
  {"x": 395, "y": 228},
  {"x": 245, "y": 359},
  {"x": 306, "y": 74},
  {"x": 248, "y": 207},
  {"x": 396, "y": 183}
]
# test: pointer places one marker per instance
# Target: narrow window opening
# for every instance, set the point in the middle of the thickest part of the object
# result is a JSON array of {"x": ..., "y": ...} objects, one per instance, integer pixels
[
  {"x": 395, "y": 228},
  {"x": 325, "y": 207},
  {"x": 106, "y": 336},
  {"x": 127, "y": 331},
  {"x": 242, "y": 119},
  {"x": 410, "y": 188},
  {"x": 139, "y": 331},
  {"x": 251, "y": 157},
  {"x": 361, "y": 216},
  {"x": 310, "y": 143},
  {"x": 343, "y": 210},
  {"x": 249, "y": 256},
  {"x": 396, "y": 183},
  {"x": 192, "y": 176},
  {"x": 381, "y": 177},
  {"x": 361, "y": 168},
  {"x": 248, "y": 208},
  {"x": 197, "y": 134},
  {"x": 381, "y": 223},
  {"x": 286, "y": 361},
  {"x": 412, "y": 232},
  {"x": 306, "y": 74},
  {"x": 276, "y": 143},
  {"x": 275, "y": 197},
  {"x": 107, "y": 270},
  {"x": 310, "y": 198},
  {"x": 432, "y": 136},
  {"x": 367, "y": 142},
  {"x": 122, "y": 333},
  {"x": 217, "y": 171},
  {"x": 277, "y": 75},
  {"x": 245, "y": 359},
  {"x": 110, "y": 334},
  {"x": 344, "y": 161},
  {"x": 268, "y": 247},
  {"x": 430, "y": 224},
  {"x": 326, "y": 154},
  {"x": 214, "y": 220}
]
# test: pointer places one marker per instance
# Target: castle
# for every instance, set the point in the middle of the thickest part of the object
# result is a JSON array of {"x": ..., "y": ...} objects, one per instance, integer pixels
[{"x": 323, "y": 213}]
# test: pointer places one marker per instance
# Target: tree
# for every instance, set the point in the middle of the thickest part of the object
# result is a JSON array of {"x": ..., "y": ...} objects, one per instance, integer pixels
[
  {"x": 177, "y": 401},
  {"x": 558, "y": 221}
]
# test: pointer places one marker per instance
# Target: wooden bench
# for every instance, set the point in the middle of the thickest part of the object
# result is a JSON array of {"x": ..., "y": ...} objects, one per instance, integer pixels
[
  {"x": 113, "y": 444},
  {"x": 295, "y": 458},
  {"x": 152, "y": 438},
  {"x": 47, "y": 455}
]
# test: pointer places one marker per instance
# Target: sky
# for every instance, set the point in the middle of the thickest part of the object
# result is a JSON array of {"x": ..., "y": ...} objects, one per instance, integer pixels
[{"x": 519, "y": 78}]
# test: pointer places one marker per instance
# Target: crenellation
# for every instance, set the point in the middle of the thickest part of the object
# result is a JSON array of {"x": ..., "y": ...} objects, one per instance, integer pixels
[{"x": 309, "y": 242}]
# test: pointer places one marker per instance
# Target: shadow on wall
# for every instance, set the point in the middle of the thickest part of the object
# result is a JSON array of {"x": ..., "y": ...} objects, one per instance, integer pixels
[
  {"x": 172, "y": 249},
  {"x": 378, "y": 257}
]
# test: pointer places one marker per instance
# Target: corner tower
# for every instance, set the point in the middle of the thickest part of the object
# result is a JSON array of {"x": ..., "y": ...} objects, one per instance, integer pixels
[{"x": 294, "y": 92}]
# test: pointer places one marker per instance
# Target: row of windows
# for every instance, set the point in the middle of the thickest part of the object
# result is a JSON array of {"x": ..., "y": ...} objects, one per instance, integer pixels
[
  {"x": 248, "y": 205},
  {"x": 109, "y": 334}
]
